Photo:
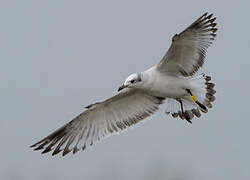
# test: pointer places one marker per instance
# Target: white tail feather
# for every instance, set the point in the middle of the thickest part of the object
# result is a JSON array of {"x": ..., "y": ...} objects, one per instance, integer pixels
[{"x": 203, "y": 90}]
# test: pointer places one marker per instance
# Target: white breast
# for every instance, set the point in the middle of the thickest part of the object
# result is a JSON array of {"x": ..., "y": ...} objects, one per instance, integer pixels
[{"x": 162, "y": 85}]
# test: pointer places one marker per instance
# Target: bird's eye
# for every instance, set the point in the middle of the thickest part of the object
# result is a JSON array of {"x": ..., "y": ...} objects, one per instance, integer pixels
[{"x": 132, "y": 81}]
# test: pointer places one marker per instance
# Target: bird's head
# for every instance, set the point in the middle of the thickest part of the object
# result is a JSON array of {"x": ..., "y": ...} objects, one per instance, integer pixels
[{"x": 132, "y": 81}]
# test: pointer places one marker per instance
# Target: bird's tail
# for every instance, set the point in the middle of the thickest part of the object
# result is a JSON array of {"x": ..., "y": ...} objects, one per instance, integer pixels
[
  {"x": 200, "y": 98},
  {"x": 204, "y": 91}
]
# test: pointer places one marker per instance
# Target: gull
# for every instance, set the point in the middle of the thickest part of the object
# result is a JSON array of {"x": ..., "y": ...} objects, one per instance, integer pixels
[{"x": 175, "y": 80}]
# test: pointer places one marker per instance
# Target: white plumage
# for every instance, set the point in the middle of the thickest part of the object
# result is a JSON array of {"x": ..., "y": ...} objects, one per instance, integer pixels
[{"x": 173, "y": 80}]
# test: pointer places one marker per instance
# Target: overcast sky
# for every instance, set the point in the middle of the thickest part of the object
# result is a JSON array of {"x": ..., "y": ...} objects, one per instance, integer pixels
[{"x": 59, "y": 56}]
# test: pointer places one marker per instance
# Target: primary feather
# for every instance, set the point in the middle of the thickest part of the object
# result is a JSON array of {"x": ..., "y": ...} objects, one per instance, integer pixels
[{"x": 188, "y": 49}]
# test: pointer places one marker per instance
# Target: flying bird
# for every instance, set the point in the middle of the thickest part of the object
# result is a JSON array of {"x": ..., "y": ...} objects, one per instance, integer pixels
[{"x": 176, "y": 80}]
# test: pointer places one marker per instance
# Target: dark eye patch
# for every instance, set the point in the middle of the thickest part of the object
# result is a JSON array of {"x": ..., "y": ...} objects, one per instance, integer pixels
[{"x": 132, "y": 81}]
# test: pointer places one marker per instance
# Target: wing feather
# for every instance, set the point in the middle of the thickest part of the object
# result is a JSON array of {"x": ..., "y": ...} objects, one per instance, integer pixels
[
  {"x": 188, "y": 49},
  {"x": 100, "y": 120}
]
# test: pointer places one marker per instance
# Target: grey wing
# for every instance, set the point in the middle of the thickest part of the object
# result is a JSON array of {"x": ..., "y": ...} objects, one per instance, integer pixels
[
  {"x": 188, "y": 49},
  {"x": 100, "y": 120}
]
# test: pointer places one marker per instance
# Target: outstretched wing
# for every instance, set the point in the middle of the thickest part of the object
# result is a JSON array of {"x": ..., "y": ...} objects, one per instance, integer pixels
[
  {"x": 188, "y": 49},
  {"x": 99, "y": 120}
]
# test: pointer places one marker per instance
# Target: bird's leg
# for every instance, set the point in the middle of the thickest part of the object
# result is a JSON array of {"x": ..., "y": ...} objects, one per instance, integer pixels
[
  {"x": 180, "y": 101},
  {"x": 183, "y": 115},
  {"x": 196, "y": 100}
]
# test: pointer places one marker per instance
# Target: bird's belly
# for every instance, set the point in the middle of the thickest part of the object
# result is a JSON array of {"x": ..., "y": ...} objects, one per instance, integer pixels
[{"x": 171, "y": 87}]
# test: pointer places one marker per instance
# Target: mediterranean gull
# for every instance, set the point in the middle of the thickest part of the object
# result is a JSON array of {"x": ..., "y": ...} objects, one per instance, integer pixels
[{"x": 176, "y": 80}]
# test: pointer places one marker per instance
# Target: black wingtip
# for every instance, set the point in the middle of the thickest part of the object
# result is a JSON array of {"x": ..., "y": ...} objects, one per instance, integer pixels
[
  {"x": 75, "y": 150},
  {"x": 64, "y": 153},
  {"x": 55, "y": 152},
  {"x": 46, "y": 150},
  {"x": 33, "y": 145},
  {"x": 37, "y": 143},
  {"x": 209, "y": 16},
  {"x": 205, "y": 14},
  {"x": 38, "y": 148}
]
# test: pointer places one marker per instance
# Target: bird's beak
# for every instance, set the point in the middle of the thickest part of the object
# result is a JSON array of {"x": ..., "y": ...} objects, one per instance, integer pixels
[{"x": 122, "y": 87}]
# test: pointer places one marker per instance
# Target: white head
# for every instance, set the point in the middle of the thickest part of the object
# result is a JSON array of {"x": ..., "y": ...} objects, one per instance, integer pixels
[{"x": 135, "y": 80}]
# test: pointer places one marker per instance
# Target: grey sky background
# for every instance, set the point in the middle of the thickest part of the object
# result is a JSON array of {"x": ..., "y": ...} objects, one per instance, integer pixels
[{"x": 59, "y": 56}]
